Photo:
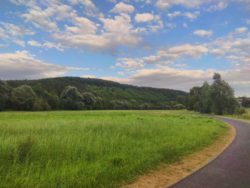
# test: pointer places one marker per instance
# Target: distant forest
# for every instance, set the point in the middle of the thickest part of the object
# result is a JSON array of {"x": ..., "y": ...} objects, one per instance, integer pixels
[{"x": 74, "y": 93}]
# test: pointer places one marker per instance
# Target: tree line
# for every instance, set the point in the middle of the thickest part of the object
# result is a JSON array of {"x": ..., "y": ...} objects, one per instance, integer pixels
[
  {"x": 217, "y": 98},
  {"x": 70, "y": 93},
  {"x": 82, "y": 94}
]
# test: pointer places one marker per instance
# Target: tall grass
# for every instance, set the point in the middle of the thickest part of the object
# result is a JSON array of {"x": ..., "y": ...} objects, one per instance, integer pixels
[
  {"x": 95, "y": 149},
  {"x": 243, "y": 116}
]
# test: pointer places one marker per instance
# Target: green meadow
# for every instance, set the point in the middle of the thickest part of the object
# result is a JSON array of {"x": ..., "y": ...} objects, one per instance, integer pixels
[{"x": 95, "y": 149}]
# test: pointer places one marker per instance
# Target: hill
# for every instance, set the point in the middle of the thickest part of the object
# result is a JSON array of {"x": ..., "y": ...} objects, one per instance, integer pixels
[{"x": 88, "y": 93}]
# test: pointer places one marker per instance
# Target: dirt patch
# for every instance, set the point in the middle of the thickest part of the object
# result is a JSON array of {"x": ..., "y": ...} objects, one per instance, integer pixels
[{"x": 167, "y": 175}]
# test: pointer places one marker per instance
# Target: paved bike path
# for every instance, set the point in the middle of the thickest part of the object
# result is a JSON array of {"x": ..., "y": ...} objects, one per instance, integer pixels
[{"x": 231, "y": 169}]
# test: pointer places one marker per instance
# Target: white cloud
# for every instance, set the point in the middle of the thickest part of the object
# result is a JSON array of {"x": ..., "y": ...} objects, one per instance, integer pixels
[
  {"x": 218, "y": 6},
  {"x": 123, "y": 8},
  {"x": 181, "y": 79},
  {"x": 189, "y": 15},
  {"x": 234, "y": 48},
  {"x": 90, "y": 8},
  {"x": 69, "y": 30},
  {"x": 13, "y": 33},
  {"x": 81, "y": 25},
  {"x": 162, "y": 4},
  {"x": 45, "y": 45},
  {"x": 170, "y": 55},
  {"x": 189, "y": 50},
  {"x": 115, "y": 32},
  {"x": 41, "y": 19},
  {"x": 163, "y": 57},
  {"x": 22, "y": 65},
  {"x": 129, "y": 63},
  {"x": 15, "y": 30},
  {"x": 154, "y": 22},
  {"x": 144, "y": 17},
  {"x": 203, "y": 33},
  {"x": 87, "y": 3},
  {"x": 241, "y": 30},
  {"x": 233, "y": 45}
]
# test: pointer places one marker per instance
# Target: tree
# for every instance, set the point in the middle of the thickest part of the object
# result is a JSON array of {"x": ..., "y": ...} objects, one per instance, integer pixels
[
  {"x": 206, "y": 102},
  {"x": 23, "y": 98},
  {"x": 71, "y": 99},
  {"x": 121, "y": 104},
  {"x": 46, "y": 99},
  {"x": 4, "y": 95},
  {"x": 53, "y": 101},
  {"x": 194, "y": 99},
  {"x": 41, "y": 105},
  {"x": 222, "y": 95},
  {"x": 217, "y": 98},
  {"x": 89, "y": 100}
]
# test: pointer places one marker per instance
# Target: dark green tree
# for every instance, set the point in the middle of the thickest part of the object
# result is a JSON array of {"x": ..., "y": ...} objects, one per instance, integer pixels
[
  {"x": 89, "y": 100},
  {"x": 53, "y": 101},
  {"x": 217, "y": 98},
  {"x": 194, "y": 99},
  {"x": 4, "y": 95},
  {"x": 41, "y": 105},
  {"x": 23, "y": 98},
  {"x": 50, "y": 100},
  {"x": 205, "y": 99},
  {"x": 222, "y": 96},
  {"x": 71, "y": 99}
]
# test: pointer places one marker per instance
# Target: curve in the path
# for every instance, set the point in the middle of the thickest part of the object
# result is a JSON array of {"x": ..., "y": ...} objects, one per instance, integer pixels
[{"x": 231, "y": 169}]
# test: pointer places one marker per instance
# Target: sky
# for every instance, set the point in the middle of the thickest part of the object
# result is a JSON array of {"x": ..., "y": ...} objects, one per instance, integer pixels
[{"x": 174, "y": 44}]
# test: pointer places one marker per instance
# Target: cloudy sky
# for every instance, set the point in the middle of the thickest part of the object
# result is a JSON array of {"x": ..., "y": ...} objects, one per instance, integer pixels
[{"x": 159, "y": 43}]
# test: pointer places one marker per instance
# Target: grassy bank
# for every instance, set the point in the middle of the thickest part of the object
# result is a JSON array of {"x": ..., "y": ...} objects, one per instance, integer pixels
[{"x": 95, "y": 149}]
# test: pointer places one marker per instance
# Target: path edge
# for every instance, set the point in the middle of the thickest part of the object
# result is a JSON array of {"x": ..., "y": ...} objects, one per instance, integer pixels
[{"x": 197, "y": 169}]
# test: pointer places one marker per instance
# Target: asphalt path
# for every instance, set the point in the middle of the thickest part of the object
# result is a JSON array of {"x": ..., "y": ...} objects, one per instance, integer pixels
[{"x": 231, "y": 169}]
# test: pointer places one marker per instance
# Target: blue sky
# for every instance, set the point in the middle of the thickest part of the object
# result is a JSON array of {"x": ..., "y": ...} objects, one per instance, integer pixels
[{"x": 159, "y": 43}]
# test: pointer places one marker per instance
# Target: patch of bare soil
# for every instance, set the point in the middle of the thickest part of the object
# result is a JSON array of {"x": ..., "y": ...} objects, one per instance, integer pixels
[{"x": 167, "y": 175}]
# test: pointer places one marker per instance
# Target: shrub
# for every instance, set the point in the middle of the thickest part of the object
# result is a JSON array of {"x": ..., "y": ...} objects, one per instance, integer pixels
[
  {"x": 179, "y": 107},
  {"x": 240, "y": 111}
]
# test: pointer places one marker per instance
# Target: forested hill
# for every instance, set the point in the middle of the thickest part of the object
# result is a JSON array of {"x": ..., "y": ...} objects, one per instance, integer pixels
[{"x": 85, "y": 93}]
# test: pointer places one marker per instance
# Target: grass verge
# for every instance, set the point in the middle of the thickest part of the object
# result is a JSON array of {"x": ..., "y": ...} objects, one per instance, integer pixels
[
  {"x": 96, "y": 148},
  {"x": 168, "y": 174}
]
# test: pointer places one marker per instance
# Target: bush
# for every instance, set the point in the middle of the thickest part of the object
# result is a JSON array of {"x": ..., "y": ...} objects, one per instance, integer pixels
[
  {"x": 179, "y": 107},
  {"x": 240, "y": 111}
]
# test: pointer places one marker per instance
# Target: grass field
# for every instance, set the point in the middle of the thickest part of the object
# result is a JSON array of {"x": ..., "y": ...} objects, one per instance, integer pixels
[{"x": 95, "y": 149}]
